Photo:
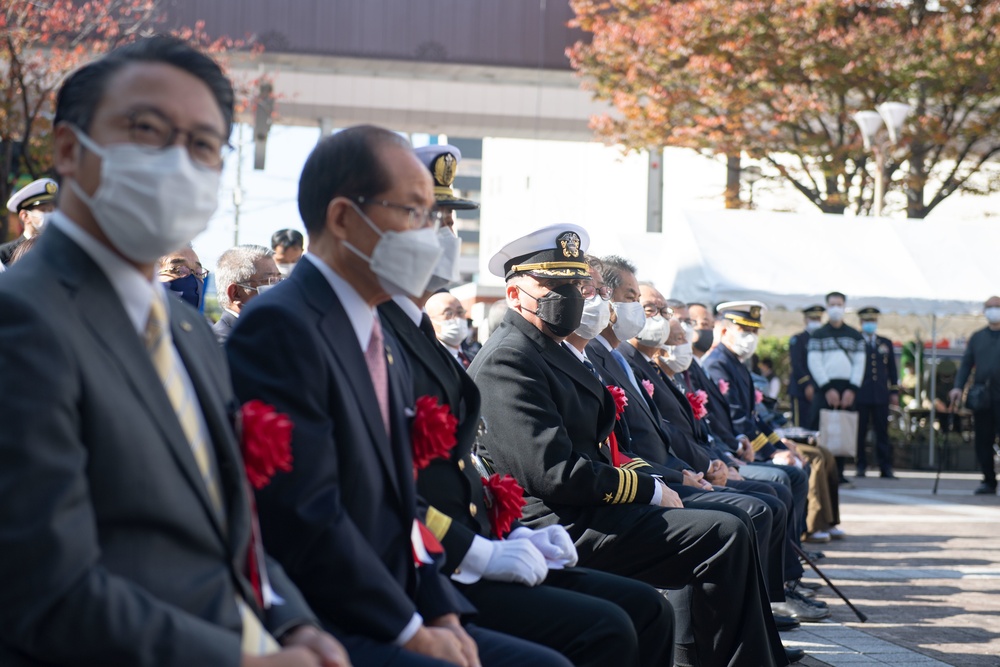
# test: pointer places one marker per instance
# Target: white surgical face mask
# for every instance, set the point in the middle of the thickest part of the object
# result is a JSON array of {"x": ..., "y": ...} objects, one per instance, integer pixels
[
  {"x": 835, "y": 313},
  {"x": 452, "y": 332},
  {"x": 631, "y": 319},
  {"x": 596, "y": 315},
  {"x": 38, "y": 220},
  {"x": 654, "y": 331},
  {"x": 402, "y": 261},
  {"x": 149, "y": 202},
  {"x": 745, "y": 345},
  {"x": 446, "y": 270},
  {"x": 678, "y": 357},
  {"x": 689, "y": 333},
  {"x": 285, "y": 269},
  {"x": 992, "y": 315},
  {"x": 813, "y": 325}
]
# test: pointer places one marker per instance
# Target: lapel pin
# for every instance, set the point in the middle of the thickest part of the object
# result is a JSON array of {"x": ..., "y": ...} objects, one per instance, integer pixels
[{"x": 185, "y": 325}]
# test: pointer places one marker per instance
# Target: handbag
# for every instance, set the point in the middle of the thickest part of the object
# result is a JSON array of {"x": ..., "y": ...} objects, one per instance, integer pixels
[
  {"x": 978, "y": 397},
  {"x": 838, "y": 432}
]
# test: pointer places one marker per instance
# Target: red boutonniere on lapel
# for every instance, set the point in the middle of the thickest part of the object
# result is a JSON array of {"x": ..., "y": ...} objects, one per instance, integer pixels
[
  {"x": 432, "y": 432},
  {"x": 699, "y": 401},
  {"x": 504, "y": 500},
  {"x": 266, "y": 438},
  {"x": 758, "y": 396},
  {"x": 621, "y": 400}
]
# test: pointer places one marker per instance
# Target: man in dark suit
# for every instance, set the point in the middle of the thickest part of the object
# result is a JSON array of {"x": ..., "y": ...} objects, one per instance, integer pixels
[
  {"x": 879, "y": 389},
  {"x": 241, "y": 274},
  {"x": 343, "y": 521},
  {"x": 127, "y": 535},
  {"x": 549, "y": 419},
  {"x": 801, "y": 387}
]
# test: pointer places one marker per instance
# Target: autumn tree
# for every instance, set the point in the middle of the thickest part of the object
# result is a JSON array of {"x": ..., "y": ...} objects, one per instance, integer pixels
[
  {"x": 780, "y": 80},
  {"x": 42, "y": 42}
]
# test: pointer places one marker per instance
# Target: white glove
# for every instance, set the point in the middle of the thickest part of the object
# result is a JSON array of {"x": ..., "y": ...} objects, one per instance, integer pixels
[
  {"x": 517, "y": 561},
  {"x": 553, "y": 541}
]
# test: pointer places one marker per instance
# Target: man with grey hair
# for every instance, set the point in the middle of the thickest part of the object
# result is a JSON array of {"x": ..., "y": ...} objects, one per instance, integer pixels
[{"x": 242, "y": 273}]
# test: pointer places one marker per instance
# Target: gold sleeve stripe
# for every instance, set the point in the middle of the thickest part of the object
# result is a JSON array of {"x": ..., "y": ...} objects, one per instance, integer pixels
[
  {"x": 773, "y": 438},
  {"x": 635, "y": 464},
  {"x": 635, "y": 486},
  {"x": 804, "y": 379},
  {"x": 438, "y": 523},
  {"x": 759, "y": 442},
  {"x": 621, "y": 484}
]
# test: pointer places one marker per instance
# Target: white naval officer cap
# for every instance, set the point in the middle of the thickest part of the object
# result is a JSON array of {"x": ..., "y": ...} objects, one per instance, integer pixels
[
  {"x": 442, "y": 161},
  {"x": 37, "y": 192},
  {"x": 555, "y": 251}
]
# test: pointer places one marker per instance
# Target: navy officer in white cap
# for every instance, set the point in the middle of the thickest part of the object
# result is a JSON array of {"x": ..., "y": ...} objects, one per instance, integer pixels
[
  {"x": 31, "y": 203},
  {"x": 548, "y": 419}
]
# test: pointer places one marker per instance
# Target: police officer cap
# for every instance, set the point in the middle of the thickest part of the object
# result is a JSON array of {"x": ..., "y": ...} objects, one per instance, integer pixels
[
  {"x": 744, "y": 313},
  {"x": 813, "y": 311},
  {"x": 869, "y": 314},
  {"x": 442, "y": 161},
  {"x": 42, "y": 191},
  {"x": 555, "y": 251}
]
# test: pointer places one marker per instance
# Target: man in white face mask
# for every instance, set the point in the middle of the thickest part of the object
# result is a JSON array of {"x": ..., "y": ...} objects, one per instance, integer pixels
[
  {"x": 801, "y": 387},
  {"x": 32, "y": 203},
  {"x": 120, "y": 411},
  {"x": 448, "y": 317}
]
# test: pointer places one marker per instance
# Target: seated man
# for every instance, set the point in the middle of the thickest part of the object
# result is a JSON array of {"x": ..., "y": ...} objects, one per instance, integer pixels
[{"x": 549, "y": 419}]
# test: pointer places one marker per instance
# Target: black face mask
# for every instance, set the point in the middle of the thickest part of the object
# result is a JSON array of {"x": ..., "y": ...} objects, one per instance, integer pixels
[
  {"x": 561, "y": 309},
  {"x": 704, "y": 342}
]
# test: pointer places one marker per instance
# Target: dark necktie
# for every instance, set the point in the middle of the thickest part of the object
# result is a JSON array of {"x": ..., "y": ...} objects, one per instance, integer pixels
[{"x": 464, "y": 358}]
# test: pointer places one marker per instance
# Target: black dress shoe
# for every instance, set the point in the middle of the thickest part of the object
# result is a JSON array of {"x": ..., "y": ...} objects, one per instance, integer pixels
[
  {"x": 859, "y": 473},
  {"x": 985, "y": 489},
  {"x": 887, "y": 474},
  {"x": 785, "y": 623},
  {"x": 794, "y": 655}
]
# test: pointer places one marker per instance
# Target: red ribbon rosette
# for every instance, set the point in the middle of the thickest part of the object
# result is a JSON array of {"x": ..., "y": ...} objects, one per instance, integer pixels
[
  {"x": 699, "y": 401},
  {"x": 432, "y": 432},
  {"x": 648, "y": 386},
  {"x": 621, "y": 400},
  {"x": 758, "y": 396},
  {"x": 504, "y": 499},
  {"x": 266, "y": 438},
  {"x": 723, "y": 387}
]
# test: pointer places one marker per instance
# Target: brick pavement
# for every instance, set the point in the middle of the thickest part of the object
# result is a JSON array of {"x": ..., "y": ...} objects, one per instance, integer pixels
[{"x": 925, "y": 569}]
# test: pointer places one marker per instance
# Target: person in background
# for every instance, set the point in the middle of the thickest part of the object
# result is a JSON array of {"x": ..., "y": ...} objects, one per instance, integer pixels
[
  {"x": 801, "y": 387},
  {"x": 288, "y": 246},
  {"x": 241, "y": 274},
  {"x": 981, "y": 364},
  {"x": 879, "y": 390},
  {"x": 703, "y": 320},
  {"x": 836, "y": 362},
  {"x": 766, "y": 365},
  {"x": 31, "y": 203},
  {"x": 184, "y": 275}
]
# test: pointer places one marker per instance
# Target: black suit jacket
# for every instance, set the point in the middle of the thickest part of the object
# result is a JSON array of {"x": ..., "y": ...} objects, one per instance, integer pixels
[
  {"x": 674, "y": 407},
  {"x": 224, "y": 326},
  {"x": 111, "y": 550},
  {"x": 451, "y": 486},
  {"x": 340, "y": 521},
  {"x": 649, "y": 436},
  {"x": 548, "y": 419},
  {"x": 7, "y": 249}
]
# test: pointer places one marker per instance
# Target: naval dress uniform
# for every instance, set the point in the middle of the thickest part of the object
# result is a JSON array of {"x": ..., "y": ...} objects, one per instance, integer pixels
[{"x": 880, "y": 384}]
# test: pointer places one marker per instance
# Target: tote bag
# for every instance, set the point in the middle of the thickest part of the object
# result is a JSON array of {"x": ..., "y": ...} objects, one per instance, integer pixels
[{"x": 838, "y": 431}]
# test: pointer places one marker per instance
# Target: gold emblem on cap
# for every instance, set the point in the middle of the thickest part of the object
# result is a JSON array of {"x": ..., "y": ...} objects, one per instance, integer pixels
[
  {"x": 755, "y": 312},
  {"x": 51, "y": 188},
  {"x": 569, "y": 244},
  {"x": 445, "y": 167}
]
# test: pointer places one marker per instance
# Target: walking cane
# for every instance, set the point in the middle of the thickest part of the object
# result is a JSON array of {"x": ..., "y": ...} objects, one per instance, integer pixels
[{"x": 803, "y": 556}]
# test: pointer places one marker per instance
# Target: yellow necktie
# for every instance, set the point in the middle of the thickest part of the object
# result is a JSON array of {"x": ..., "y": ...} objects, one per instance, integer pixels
[{"x": 159, "y": 344}]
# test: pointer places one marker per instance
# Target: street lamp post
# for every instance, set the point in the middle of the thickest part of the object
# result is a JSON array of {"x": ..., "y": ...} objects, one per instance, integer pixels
[{"x": 892, "y": 115}]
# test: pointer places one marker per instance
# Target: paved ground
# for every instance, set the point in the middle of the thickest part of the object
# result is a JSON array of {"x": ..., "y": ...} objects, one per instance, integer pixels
[{"x": 925, "y": 569}]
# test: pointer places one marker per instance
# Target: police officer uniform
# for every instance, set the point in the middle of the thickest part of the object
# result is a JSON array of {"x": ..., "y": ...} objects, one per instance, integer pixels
[
  {"x": 800, "y": 380},
  {"x": 34, "y": 194},
  {"x": 548, "y": 421},
  {"x": 879, "y": 385}
]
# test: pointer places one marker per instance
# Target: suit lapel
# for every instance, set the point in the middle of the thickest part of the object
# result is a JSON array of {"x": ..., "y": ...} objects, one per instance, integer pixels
[
  {"x": 342, "y": 343},
  {"x": 611, "y": 365}
]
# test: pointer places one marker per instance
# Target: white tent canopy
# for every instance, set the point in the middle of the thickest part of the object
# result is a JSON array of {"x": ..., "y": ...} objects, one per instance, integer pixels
[{"x": 790, "y": 260}]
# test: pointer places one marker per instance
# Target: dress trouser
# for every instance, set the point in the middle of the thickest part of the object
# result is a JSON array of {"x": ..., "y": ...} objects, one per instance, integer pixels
[
  {"x": 591, "y": 617},
  {"x": 823, "y": 507},
  {"x": 878, "y": 415},
  {"x": 723, "y": 617},
  {"x": 986, "y": 424}
]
